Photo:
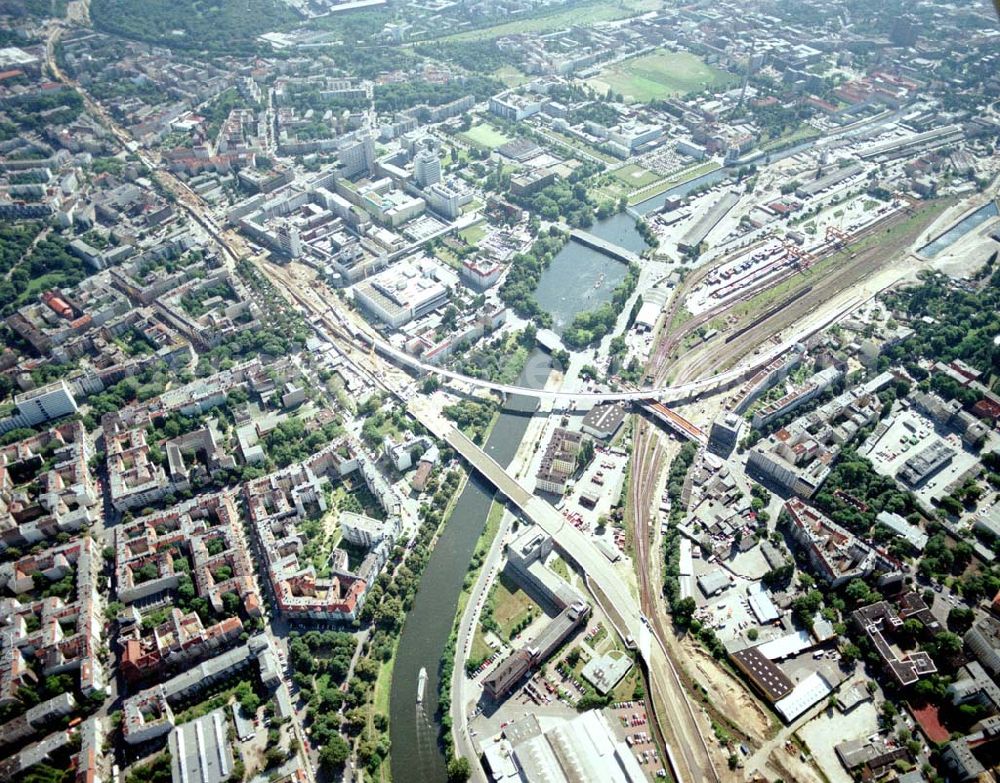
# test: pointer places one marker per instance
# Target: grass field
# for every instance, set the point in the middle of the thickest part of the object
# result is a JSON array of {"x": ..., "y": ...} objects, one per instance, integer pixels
[
  {"x": 511, "y": 605},
  {"x": 485, "y": 135},
  {"x": 679, "y": 178},
  {"x": 480, "y": 650},
  {"x": 510, "y": 76},
  {"x": 473, "y": 233},
  {"x": 583, "y": 14},
  {"x": 560, "y": 567},
  {"x": 380, "y": 706},
  {"x": 801, "y": 133},
  {"x": 659, "y": 75},
  {"x": 635, "y": 176}
]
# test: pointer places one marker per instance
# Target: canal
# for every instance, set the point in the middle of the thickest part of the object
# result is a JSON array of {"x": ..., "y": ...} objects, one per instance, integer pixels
[
  {"x": 570, "y": 285},
  {"x": 416, "y": 756},
  {"x": 960, "y": 229},
  {"x": 580, "y": 279}
]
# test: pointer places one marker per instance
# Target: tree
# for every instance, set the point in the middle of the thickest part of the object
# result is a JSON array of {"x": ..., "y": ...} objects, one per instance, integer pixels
[
  {"x": 960, "y": 619},
  {"x": 528, "y": 336},
  {"x": 274, "y": 757},
  {"x": 367, "y": 669},
  {"x": 948, "y": 644},
  {"x": 857, "y": 591},
  {"x": 459, "y": 770},
  {"x": 334, "y": 754},
  {"x": 683, "y": 610}
]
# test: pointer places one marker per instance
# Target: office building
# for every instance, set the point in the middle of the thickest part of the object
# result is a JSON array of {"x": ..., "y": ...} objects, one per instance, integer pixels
[
  {"x": 512, "y": 106},
  {"x": 46, "y": 403},
  {"x": 356, "y": 155},
  {"x": 405, "y": 291},
  {"x": 426, "y": 167},
  {"x": 879, "y": 622},
  {"x": 725, "y": 433}
]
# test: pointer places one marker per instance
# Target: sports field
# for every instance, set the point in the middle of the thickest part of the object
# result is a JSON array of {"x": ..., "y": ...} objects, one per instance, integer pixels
[
  {"x": 659, "y": 75},
  {"x": 485, "y": 135}
]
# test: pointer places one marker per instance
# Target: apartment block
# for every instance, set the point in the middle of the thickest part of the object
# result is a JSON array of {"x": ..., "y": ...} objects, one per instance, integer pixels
[
  {"x": 559, "y": 461},
  {"x": 835, "y": 554},
  {"x": 278, "y": 503},
  {"x": 46, "y": 487},
  {"x": 61, "y": 632},
  {"x": 207, "y": 532}
]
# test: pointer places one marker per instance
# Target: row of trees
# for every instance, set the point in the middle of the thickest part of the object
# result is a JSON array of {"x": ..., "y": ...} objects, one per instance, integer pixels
[
  {"x": 676, "y": 477},
  {"x": 396, "y": 96},
  {"x": 518, "y": 290}
]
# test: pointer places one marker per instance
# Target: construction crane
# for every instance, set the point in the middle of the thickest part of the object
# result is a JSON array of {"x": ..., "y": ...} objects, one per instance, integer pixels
[
  {"x": 801, "y": 258},
  {"x": 836, "y": 236}
]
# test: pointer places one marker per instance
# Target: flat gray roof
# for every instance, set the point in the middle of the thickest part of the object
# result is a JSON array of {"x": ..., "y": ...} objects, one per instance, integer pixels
[{"x": 199, "y": 750}]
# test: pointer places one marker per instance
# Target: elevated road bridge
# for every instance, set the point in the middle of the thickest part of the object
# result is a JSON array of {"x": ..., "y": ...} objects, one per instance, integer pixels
[
  {"x": 603, "y": 246},
  {"x": 689, "y": 756},
  {"x": 667, "y": 393}
]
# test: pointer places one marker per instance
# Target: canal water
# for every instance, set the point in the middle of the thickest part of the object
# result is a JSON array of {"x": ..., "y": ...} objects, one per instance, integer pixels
[
  {"x": 562, "y": 290},
  {"x": 578, "y": 279},
  {"x": 416, "y": 756},
  {"x": 960, "y": 229}
]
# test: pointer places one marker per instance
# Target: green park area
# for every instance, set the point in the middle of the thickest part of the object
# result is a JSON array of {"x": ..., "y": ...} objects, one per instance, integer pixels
[
  {"x": 485, "y": 135},
  {"x": 508, "y": 610},
  {"x": 510, "y": 76},
  {"x": 577, "y": 14},
  {"x": 659, "y": 75},
  {"x": 635, "y": 176}
]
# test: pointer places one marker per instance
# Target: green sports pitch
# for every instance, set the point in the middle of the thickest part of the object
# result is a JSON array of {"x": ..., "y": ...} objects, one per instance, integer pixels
[{"x": 660, "y": 75}]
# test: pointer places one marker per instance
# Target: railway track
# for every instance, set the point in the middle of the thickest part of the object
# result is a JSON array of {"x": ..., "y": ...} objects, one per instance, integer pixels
[
  {"x": 647, "y": 453},
  {"x": 664, "y": 349},
  {"x": 859, "y": 265}
]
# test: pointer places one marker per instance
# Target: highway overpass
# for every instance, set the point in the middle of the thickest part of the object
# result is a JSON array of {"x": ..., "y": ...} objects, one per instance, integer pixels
[{"x": 659, "y": 393}]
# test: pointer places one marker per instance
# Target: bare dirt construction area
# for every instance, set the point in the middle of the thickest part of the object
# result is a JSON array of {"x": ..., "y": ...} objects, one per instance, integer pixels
[{"x": 728, "y": 696}]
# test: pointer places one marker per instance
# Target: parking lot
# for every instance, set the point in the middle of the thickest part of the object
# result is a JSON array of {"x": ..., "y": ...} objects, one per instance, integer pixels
[
  {"x": 728, "y": 612},
  {"x": 601, "y": 481},
  {"x": 907, "y": 435},
  {"x": 630, "y": 722},
  {"x": 832, "y": 727}
]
